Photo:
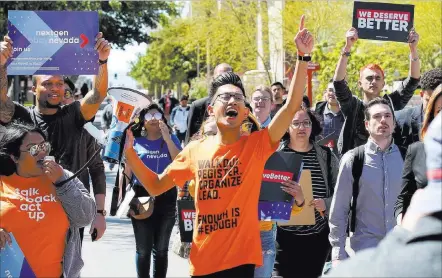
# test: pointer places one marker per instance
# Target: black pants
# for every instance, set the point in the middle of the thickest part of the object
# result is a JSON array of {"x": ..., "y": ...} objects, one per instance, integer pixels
[
  {"x": 242, "y": 271},
  {"x": 301, "y": 255},
  {"x": 81, "y": 235},
  {"x": 152, "y": 236},
  {"x": 181, "y": 136}
]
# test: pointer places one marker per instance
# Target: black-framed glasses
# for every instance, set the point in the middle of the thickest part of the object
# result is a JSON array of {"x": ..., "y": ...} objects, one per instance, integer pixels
[
  {"x": 226, "y": 97},
  {"x": 149, "y": 117},
  {"x": 263, "y": 99},
  {"x": 305, "y": 124},
  {"x": 34, "y": 150}
]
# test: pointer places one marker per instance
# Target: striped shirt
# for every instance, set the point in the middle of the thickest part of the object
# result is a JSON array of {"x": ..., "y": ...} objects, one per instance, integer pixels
[{"x": 311, "y": 163}]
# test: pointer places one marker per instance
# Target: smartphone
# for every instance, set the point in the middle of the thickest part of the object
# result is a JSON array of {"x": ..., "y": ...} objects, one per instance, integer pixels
[{"x": 94, "y": 235}]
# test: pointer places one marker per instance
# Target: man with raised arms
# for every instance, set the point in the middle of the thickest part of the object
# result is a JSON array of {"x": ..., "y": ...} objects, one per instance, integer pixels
[{"x": 229, "y": 247}]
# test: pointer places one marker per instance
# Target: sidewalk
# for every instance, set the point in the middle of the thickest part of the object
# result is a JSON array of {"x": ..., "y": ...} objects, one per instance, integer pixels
[{"x": 114, "y": 254}]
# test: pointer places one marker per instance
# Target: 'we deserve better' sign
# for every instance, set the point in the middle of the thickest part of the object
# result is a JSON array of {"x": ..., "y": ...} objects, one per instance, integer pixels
[{"x": 385, "y": 22}]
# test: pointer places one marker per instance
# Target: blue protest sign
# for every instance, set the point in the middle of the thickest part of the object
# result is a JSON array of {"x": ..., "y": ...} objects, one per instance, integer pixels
[
  {"x": 13, "y": 263},
  {"x": 53, "y": 42}
]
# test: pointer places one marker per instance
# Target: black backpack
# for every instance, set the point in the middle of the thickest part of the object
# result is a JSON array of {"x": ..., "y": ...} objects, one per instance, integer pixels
[{"x": 358, "y": 164}]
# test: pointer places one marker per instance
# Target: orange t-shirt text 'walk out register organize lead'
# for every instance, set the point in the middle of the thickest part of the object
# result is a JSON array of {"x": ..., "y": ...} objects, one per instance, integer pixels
[{"x": 228, "y": 183}]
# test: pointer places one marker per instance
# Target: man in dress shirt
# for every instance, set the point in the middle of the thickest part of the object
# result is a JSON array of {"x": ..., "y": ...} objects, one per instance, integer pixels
[
  {"x": 261, "y": 103},
  {"x": 379, "y": 185}
]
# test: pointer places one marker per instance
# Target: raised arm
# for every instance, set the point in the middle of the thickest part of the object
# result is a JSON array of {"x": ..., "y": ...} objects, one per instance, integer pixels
[
  {"x": 91, "y": 102},
  {"x": 405, "y": 91},
  {"x": 155, "y": 184},
  {"x": 343, "y": 93},
  {"x": 6, "y": 105},
  {"x": 280, "y": 123}
]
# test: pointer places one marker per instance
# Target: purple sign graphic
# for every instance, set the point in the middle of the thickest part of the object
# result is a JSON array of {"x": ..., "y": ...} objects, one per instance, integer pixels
[{"x": 53, "y": 42}]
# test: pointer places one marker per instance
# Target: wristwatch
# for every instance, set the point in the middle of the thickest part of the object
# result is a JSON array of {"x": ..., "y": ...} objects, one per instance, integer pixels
[
  {"x": 304, "y": 58},
  {"x": 102, "y": 212},
  {"x": 102, "y": 62},
  {"x": 345, "y": 53}
]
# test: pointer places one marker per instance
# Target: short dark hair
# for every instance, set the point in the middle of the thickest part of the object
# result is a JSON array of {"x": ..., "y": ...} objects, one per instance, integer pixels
[
  {"x": 10, "y": 143},
  {"x": 184, "y": 97},
  {"x": 69, "y": 82},
  {"x": 277, "y": 83},
  {"x": 431, "y": 79},
  {"x": 306, "y": 101},
  {"x": 224, "y": 79},
  {"x": 378, "y": 100}
]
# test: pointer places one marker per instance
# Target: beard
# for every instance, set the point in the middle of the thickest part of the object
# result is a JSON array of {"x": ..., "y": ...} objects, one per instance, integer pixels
[{"x": 46, "y": 104}]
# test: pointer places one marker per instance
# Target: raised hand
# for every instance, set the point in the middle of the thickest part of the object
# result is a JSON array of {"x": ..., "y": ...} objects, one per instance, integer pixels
[
  {"x": 164, "y": 130},
  {"x": 102, "y": 46},
  {"x": 351, "y": 37},
  {"x": 6, "y": 50},
  {"x": 413, "y": 39},
  {"x": 129, "y": 143},
  {"x": 304, "y": 40},
  {"x": 52, "y": 170}
]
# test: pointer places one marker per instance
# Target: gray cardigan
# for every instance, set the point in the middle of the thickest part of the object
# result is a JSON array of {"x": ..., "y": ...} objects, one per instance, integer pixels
[
  {"x": 329, "y": 169},
  {"x": 80, "y": 209}
]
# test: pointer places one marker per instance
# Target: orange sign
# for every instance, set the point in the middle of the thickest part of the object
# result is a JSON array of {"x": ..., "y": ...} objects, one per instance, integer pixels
[{"x": 124, "y": 112}]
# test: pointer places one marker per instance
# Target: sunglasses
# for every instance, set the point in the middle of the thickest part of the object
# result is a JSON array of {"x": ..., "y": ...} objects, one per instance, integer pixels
[
  {"x": 149, "y": 117},
  {"x": 36, "y": 149}
]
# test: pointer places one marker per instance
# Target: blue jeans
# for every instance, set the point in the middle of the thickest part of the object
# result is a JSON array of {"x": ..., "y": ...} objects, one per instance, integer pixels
[
  {"x": 152, "y": 236},
  {"x": 268, "y": 239}
]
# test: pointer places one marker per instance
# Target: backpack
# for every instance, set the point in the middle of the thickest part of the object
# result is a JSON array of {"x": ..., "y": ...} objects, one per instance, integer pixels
[{"x": 357, "y": 166}]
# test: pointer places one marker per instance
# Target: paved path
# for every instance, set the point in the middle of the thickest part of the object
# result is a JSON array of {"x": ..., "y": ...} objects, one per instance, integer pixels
[{"x": 114, "y": 254}]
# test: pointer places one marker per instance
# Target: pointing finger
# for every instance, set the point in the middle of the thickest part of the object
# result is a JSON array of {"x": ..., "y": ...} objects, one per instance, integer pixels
[{"x": 301, "y": 25}]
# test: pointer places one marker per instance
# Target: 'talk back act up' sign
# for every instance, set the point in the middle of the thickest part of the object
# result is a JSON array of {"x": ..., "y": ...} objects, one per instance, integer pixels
[{"x": 385, "y": 22}]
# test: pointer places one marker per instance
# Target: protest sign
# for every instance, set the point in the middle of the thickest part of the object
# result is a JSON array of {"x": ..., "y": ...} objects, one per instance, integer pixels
[
  {"x": 186, "y": 216},
  {"x": 13, "y": 263},
  {"x": 274, "y": 203},
  {"x": 53, "y": 42},
  {"x": 381, "y": 21},
  {"x": 307, "y": 215}
]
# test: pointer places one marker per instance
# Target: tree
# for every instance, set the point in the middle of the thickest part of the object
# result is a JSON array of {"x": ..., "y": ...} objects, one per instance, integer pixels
[
  {"x": 122, "y": 22},
  {"x": 329, "y": 32}
]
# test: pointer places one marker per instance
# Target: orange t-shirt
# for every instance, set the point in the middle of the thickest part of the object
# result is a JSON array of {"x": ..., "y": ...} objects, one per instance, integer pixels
[
  {"x": 33, "y": 214},
  {"x": 228, "y": 183}
]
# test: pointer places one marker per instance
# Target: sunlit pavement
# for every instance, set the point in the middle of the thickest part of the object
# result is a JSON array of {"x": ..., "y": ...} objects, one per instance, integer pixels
[{"x": 114, "y": 254}]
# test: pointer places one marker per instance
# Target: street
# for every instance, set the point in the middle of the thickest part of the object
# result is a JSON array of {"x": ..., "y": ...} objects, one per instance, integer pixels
[{"x": 114, "y": 254}]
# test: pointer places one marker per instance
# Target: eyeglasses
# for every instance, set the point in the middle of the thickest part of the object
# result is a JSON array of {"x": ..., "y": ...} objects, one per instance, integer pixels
[
  {"x": 36, "y": 149},
  {"x": 149, "y": 117},
  {"x": 67, "y": 93},
  {"x": 306, "y": 124},
  {"x": 226, "y": 97},
  {"x": 263, "y": 99}
]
